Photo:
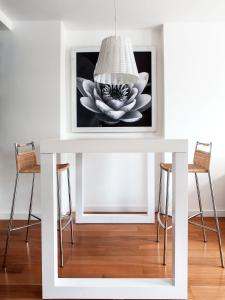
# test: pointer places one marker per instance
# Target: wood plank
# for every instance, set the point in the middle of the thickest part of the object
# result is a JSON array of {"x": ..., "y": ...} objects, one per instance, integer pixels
[{"x": 112, "y": 250}]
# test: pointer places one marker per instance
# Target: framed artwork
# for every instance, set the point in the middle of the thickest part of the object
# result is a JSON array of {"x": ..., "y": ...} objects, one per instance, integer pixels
[{"x": 113, "y": 108}]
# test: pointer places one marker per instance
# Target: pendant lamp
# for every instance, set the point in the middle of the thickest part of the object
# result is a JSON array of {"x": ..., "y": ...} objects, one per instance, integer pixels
[{"x": 116, "y": 63}]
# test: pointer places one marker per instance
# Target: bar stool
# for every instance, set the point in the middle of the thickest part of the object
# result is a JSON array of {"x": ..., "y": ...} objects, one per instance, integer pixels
[
  {"x": 26, "y": 163},
  {"x": 201, "y": 164}
]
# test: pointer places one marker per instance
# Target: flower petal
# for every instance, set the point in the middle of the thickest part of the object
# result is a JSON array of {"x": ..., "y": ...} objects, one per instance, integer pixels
[
  {"x": 96, "y": 95},
  {"x": 98, "y": 87},
  {"x": 88, "y": 87},
  {"x": 144, "y": 108},
  {"x": 106, "y": 119},
  {"x": 80, "y": 86},
  {"x": 132, "y": 116},
  {"x": 102, "y": 106},
  {"x": 115, "y": 104},
  {"x": 133, "y": 94},
  {"x": 141, "y": 83},
  {"x": 142, "y": 102},
  {"x": 115, "y": 114},
  {"x": 89, "y": 104},
  {"x": 128, "y": 107}
]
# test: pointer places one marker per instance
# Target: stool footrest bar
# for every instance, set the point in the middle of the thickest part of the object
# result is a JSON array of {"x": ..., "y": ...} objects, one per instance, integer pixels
[
  {"x": 25, "y": 226},
  {"x": 161, "y": 223},
  {"x": 67, "y": 223},
  {"x": 195, "y": 215},
  {"x": 200, "y": 225}
]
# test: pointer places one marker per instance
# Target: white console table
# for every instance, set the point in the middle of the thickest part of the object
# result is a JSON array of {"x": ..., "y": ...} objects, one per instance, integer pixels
[{"x": 112, "y": 288}]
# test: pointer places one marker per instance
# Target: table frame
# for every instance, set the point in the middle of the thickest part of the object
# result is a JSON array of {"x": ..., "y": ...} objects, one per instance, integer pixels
[{"x": 114, "y": 288}]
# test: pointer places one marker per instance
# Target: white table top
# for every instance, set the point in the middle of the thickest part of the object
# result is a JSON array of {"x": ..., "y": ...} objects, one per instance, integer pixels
[{"x": 113, "y": 145}]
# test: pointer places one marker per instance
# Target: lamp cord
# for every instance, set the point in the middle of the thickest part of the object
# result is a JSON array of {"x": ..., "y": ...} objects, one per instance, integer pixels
[{"x": 115, "y": 17}]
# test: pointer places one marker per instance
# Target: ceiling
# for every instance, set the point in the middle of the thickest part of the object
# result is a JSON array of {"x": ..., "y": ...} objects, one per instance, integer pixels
[{"x": 99, "y": 14}]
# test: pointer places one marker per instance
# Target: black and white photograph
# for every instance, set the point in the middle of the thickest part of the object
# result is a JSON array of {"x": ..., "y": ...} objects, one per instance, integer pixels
[{"x": 99, "y": 105}]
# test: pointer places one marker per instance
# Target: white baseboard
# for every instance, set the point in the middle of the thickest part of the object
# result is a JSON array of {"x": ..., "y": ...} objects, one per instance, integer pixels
[
  {"x": 23, "y": 216},
  {"x": 116, "y": 209},
  {"x": 208, "y": 213}
]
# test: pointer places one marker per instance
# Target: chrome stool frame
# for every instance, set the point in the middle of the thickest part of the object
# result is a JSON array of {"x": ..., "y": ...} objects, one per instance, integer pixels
[
  {"x": 26, "y": 164},
  {"x": 200, "y": 164}
]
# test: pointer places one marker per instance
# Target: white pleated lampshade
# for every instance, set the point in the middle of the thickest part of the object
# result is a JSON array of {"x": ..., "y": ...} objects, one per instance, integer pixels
[{"x": 116, "y": 63}]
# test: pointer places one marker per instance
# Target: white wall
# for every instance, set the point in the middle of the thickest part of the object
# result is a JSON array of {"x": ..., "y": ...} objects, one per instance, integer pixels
[
  {"x": 29, "y": 101},
  {"x": 35, "y": 104},
  {"x": 113, "y": 182},
  {"x": 194, "y": 68}
]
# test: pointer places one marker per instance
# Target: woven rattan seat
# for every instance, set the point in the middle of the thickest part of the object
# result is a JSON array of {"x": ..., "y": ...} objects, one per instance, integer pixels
[
  {"x": 37, "y": 168},
  {"x": 192, "y": 168},
  {"x": 26, "y": 162}
]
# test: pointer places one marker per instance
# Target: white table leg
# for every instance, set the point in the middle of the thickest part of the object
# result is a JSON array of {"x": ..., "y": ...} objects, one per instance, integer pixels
[
  {"x": 151, "y": 187},
  {"x": 180, "y": 228},
  {"x": 79, "y": 188},
  {"x": 49, "y": 223}
]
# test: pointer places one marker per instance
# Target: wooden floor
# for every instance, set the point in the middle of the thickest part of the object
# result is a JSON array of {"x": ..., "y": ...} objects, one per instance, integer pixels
[{"x": 118, "y": 250}]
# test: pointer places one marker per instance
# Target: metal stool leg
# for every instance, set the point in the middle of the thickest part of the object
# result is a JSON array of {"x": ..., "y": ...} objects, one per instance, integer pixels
[
  {"x": 30, "y": 207},
  {"x": 166, "y": 218},
  {"x": 217, "y": 222},
  {"x": 59, "y": 220},
  {"x": 200, "y": 207},
  {"x": 70, "y": 207},
  {"x": 10, "y": 221},
  {"x": 159, "y": 204}
]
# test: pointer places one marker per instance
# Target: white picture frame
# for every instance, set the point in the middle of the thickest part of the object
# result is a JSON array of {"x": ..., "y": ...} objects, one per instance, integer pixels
[{"x": 112, "y": 129}]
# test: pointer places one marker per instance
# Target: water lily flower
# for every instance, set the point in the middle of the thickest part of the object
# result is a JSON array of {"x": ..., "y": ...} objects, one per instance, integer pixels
[{"x": 115, "y": 103}]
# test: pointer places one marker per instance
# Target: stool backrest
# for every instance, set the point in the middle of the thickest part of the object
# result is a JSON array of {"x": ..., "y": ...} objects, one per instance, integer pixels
[
  {"x": 202, "y": 157},
  {"x": 25, "y": 158}
]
